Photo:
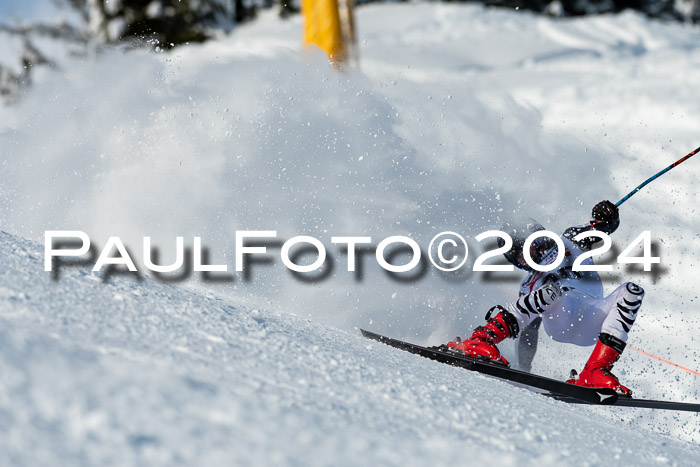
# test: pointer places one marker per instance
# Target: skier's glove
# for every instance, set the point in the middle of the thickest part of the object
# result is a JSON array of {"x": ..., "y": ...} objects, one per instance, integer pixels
[{"x": 606, "y": 213}]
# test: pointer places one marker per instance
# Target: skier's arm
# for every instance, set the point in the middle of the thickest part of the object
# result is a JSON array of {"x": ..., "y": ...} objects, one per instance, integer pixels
[{"x": 606, "y": 218}]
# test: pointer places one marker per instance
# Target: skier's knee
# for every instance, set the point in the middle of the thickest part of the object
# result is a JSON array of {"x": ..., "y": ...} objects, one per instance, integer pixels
[
  {"x": 633, "y": 293},
  {"x": 548, "y": 294},
  {"x": 631, "y": 300},
  {"x": 529, "y": 306}
]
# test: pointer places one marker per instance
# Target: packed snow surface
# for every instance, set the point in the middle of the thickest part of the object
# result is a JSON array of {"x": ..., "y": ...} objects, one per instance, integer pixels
[
  {"x": 458, "y": 119},
  {"x": 132, "y": 372}
]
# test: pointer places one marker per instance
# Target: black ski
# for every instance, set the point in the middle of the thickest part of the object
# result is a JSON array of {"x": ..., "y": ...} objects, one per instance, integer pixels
[
  {"x": 558, "y": 390},
  {"x": 639, "y": 403},
  {"x": 443, "y": 355}
]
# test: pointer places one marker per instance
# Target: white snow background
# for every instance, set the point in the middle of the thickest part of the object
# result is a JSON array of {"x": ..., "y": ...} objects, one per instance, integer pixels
[{"x": 459, "y": 117}]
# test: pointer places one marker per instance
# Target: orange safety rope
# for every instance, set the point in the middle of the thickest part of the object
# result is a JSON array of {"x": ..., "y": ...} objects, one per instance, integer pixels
[{"x": 665, "y": 361}]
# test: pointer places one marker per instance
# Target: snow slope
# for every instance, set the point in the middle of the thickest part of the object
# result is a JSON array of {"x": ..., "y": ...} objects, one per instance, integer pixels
[
  {"x": 458, "y": 118},
  {"x": 129, "y": 372}
]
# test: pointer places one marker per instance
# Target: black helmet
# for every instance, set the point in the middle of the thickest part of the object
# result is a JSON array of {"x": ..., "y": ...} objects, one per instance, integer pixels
[{"x": 519, "y": 231}]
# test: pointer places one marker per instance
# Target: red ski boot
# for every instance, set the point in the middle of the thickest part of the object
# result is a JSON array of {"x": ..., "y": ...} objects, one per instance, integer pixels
[
  {"x": 482, "y": 343},
  {"x": 596, "y": 373}
]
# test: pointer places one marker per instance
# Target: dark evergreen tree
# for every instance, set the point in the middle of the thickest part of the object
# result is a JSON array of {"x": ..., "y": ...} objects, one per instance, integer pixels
[{"x": 165, "y": 22}]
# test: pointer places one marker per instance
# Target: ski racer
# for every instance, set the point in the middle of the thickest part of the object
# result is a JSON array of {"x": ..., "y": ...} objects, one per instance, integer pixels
[{"x": 570, "y": 304}]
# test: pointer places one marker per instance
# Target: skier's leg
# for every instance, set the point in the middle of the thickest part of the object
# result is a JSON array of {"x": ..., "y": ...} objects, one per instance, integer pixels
[
  {"x": 527, "y": 344},
  {"x": 622, "y": 305},
  {"x": 532, "y": 305},
  {"x": 508, "y": 322}
]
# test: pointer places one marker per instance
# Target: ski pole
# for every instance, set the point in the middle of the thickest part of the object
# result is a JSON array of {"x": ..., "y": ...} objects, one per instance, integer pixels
[{"x": 651, "y": 179}]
